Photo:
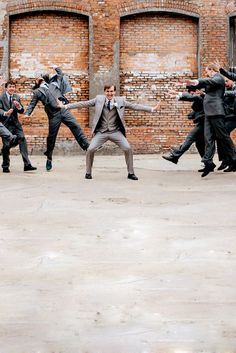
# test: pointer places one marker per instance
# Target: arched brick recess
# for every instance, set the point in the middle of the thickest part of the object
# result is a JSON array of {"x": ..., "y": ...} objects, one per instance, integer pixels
[
  {"x": 156, "y": 49},
  {"x": 37, "y": 41}
]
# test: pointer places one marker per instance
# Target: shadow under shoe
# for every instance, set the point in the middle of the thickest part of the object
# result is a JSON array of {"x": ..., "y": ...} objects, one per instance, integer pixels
[
  {"x": 208, "y": 169},
  {"x": 170, "y": 158}
]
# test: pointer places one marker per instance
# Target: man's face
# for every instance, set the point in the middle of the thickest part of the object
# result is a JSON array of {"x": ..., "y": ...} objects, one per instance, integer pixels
[
  {"x": 210, "y": 72},
  {"x": 11, "y": 89},
  {"x": 228, "y": 83},
  {"x": 110, "y": 92}
]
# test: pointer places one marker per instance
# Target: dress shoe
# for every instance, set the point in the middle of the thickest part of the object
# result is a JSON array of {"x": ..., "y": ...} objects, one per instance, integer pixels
[
  {"x": 201, "y": 170},
  {"x": 48, "y": 165},
  {"x": 5, "y": 170},
  {"x": 231, "y": 168},
  {"x": 28, "y": 168},
  {"x": 208, "y": 169},
  {"x": 132, "y": 177},
  {"x": 171, "y": 158},
  {"x": 88, "y": 176},
  {"x": 223, "y": 165}
]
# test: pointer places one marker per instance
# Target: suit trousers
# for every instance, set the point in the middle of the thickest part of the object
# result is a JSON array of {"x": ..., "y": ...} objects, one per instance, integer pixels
[
  {"x": 195, "y": 135},
  {"x": 215, "y": 130},
  {"x": 230, "y": 125},
  {"x": 17, "y": 130},
  {"x": 55, "y": 120},
  {"x": 119, "y": 139},
  {"x": 5, "y": 133}
]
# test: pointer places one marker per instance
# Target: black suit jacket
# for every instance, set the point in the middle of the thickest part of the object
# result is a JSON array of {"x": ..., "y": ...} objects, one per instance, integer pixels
[
  {"x": 197, "y": 106},
  {"x": 5, "y": 106}
]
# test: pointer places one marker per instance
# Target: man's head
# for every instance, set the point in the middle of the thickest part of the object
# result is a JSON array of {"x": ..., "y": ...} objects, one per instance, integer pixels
[
  {"x": 229, "y": 83},
  {"x": 109, "y": 91},
  {"x": 10, "y": 87},
  {"x": 211, "y": 70}
]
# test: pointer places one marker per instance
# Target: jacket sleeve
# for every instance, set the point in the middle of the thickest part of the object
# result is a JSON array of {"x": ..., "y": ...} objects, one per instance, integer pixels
[
  {"x": 32, "y": 104},
  {"x": 228, "y": 74},
  {"x": 211, "y": 81},
  {"x": 135, "y": 106},
  {"x": 81, "y": 104},
  {"x": 186, "y": 97},
  {"x": 2, "y": 111}
]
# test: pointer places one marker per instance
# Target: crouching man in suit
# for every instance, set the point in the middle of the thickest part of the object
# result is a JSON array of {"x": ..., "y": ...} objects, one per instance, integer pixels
[
  {"x": 109, "y": 124},
  {"x": 10, "y": 107}
]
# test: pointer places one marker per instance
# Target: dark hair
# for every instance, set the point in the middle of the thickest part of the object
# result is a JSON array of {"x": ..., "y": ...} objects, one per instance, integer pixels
[
  {"x": 107, "y": 86},
  {"x": 10, "y": 82},
  {"x": 38, "y": 83}
]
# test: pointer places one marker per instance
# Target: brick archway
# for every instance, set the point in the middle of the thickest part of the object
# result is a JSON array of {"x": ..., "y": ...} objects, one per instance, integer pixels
[{"x": 156, "y": 49}]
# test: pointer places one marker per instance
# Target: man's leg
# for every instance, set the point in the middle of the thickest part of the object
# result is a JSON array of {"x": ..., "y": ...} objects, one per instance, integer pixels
[
  {"x": 54, "y": 124},
  {"x": 18, "y": 131},
  {"x": 225, "y": 141},
  {"x": 70, "y": 121},
  {"x": 119, "y": 139},
  {"x": 192, "y": 137},
  {"x": 98, "y": 140}
]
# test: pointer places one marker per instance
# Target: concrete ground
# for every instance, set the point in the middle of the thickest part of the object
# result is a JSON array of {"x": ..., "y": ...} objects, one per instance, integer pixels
[{"x": 111, "y": 265}]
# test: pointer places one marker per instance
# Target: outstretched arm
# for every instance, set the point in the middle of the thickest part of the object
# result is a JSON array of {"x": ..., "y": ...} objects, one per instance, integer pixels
[
  {"x": 32, "y": 104},
  {"x": 141, "y": 107},
  {"x": 77, "y": 105}
]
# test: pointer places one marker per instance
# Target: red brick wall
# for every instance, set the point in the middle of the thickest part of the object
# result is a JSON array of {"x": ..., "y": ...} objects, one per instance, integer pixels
[{"x": 156, "y": 48}]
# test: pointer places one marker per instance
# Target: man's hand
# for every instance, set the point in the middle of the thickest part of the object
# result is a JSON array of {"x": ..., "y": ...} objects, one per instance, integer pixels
[
  {"x": 217, "y": 64},
  {"x": 156, "y": 107},
  {"x": 8, "y": 113},
  {"x": 60, "y": 104},
  {"x": 17, "y": 104},
  {"x": 172, "y": 93}
]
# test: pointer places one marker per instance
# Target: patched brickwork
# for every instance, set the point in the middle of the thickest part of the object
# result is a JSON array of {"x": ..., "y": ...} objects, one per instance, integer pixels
[{"x": 142, "y": 46}]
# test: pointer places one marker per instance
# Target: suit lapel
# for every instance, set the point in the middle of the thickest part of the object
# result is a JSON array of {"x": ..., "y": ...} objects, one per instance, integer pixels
[{"x": 6, "y": 101}]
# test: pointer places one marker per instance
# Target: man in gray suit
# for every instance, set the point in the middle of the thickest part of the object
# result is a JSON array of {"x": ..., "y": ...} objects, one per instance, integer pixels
[
  {"x": 10, "y": 107},
  {"x": 214, "y": 110},
  {"x": 109, "y": 124},
  {"x": 48, "y": 91}
]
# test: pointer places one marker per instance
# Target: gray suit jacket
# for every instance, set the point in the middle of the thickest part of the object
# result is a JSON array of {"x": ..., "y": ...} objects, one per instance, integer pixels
[
  {"x": 5, "y": 106},
  {"x": 120, "y": 103},
  {"x": 214, "y": 88}
]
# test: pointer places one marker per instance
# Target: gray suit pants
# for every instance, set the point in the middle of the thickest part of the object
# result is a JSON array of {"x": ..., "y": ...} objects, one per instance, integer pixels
[
  {"x": 119, "y": 139},
  {"x": 5, "y": 133}
]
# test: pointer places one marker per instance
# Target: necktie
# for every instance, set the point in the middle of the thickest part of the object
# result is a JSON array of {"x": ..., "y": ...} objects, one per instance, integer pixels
[
  {"x": 109, "y": 105},
  {"x": 10, "y": 101}
]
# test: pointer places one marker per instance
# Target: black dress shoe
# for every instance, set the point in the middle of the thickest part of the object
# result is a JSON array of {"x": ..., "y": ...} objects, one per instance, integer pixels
[
  {"x": 231, "y": 168},
  {"x": 5, "y": 170},
  {"x": 208, "y": 169},
  {"x": 201, "y": 170},
  {"x": 88, "y": 176},
  {"x": 132, "y": 177},
  {"x": 48, "y": 165},
  {"x": 28, "y": 168},
  {"x": 223, "y": 165},
  {"x": 171, "y": 158}
]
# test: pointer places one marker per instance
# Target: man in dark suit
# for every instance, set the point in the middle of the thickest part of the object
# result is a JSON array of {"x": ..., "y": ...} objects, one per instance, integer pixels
[
  {"x": 196, "y": 135},
  {"x": 109, "y": 125},
  {"x": 48, "y": 91},
  {"x": 10, "y": 107},
  {"x": 214, "y": 110},
  {"x": 230, "y": 118}
]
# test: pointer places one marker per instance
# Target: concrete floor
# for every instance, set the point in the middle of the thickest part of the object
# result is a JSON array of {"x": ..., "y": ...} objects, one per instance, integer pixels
[{"x": 111, "y": 265}]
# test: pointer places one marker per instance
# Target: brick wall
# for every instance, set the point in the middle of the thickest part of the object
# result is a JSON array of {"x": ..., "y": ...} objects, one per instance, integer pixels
[{"x": 143, "y": 46}]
